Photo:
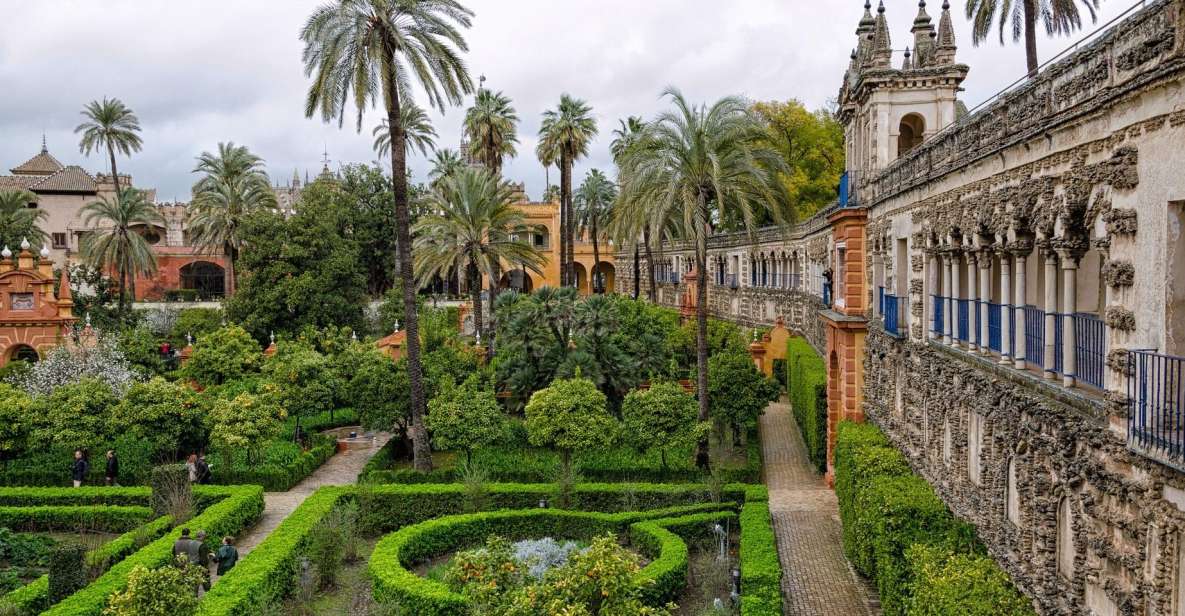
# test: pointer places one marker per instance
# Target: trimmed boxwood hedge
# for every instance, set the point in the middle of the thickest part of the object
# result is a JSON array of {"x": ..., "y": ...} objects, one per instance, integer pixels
[
  {"x": 806, "y": 378},
  {"x": 664, "y": 541},
  {"x": 898, "y": 532},
  {"x": 101, "y": 518}
]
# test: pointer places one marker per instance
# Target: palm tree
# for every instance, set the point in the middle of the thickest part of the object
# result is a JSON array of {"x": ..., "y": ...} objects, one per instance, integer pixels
[
  {"x": 491, "y": 126},
  {"x": 476, "y": 227},
  {"x": 695, "y": 164},
  {"x": 362, "y": 52},
  {"x": 1059, "y": 17},
  {"x": 564, "y": 136},
  {"x": 551, "y": 194},
  {"x": 624, "y": 138},
  {"x": 234, "y": 186},
  {"x": 420, "y": 133},
  {"x": 593, "y": 200},
  {"x": 18, "y": 221},
  {"x": 445, "y": 162},
  {"x": 114, "y": 243},
  {"x": 111, "y": 125}
]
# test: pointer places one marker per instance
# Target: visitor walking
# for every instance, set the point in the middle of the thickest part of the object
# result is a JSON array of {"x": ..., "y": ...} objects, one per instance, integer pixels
[
  {"x": 191, "y": 466},
  {"x": 202, "y": 469},
  {"x": 187, "y": 547},
  {"x": 80, "y": 468},
  {"x": 226, "y": 556},
  {"x": 112, "y": 467},
  {"x": 203, "y": 559}
]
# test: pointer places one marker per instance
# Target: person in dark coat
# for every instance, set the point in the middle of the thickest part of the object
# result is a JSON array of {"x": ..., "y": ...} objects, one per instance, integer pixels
[
  {"x": 80, "y": 468},
  {"x": 187, "y": 547},
  {"x": 226, "y": 556},
  {"x": 112, "y": 467},
  {"x": 203, "y": 469}
]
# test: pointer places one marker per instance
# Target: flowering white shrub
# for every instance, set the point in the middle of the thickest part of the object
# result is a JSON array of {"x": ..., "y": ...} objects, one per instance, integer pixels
[
  {"x": 65, "y": 365},
  {"x": 543, "y": 555},
  {"x": 161, "y": 320}
]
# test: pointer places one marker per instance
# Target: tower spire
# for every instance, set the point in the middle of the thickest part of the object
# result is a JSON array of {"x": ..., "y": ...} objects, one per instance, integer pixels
[
  {"x": 923, "y": 43},
  {"x": 945, "y": 53},
  {"x": 882, "y": 46}
]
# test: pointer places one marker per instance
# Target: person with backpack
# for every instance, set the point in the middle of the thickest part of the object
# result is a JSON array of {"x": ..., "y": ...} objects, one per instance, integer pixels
[{"x": 80, "y": 468}]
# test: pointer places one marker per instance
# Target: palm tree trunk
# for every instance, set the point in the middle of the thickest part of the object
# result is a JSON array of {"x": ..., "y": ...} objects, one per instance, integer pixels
[
  {"x": 596, "y": 256},
  {"x": 495, "y": 283},
  {"x": 701, "y": 351},
  {"x": 637, "y": 271},
  {"x": 114, "y": 171},
  {"x": 473, "y": 277},
  {"x": 652, "y": 292},
  {"x": 564, "y": 271},
  {"x": 566, "y": 198},
  {"x": 1031, "y": 14},
  {"x": 123, "y": 284},
  {"x": 421, "y": 450},
  {"x": 232, "y": 281}
]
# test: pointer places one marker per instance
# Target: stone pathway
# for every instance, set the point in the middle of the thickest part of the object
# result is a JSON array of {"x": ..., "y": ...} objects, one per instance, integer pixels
[
  {"x": 817, "y": 579},
  {"x": 341, "y": 469}
]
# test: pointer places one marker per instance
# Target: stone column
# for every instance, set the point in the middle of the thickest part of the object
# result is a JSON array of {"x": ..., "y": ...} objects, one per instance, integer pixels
[
  {"x": 1005, "y": 309},
  {"x": 1019, "y": 351},
  {"x": 985, "y": 294},
  {"x": 1050, "y": 308},
  {"x": 972, "y": 297},
  {"x": 1069, "y": 307},
  {"x": 955, "y": 294},
  {"x": 931, "y": 289},
  {"x": 946, "y": 295}
]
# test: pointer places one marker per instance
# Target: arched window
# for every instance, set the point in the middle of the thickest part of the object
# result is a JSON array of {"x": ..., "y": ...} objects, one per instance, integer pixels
[
  {"x": 1065, "y": 539},
  {"x": 910, "y": 133},
  {"x": 208, "y": 279},
  {"x": 1012, "y": 494},
  {"x": 946, "y": 442},
  {"x": 25, "y": 353}
]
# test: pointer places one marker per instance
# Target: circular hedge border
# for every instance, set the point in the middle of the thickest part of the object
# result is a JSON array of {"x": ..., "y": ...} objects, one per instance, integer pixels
[{"x": 659, "y": 534}]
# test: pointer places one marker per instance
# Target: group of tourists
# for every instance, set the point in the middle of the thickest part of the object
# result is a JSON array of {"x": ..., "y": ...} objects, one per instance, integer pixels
[
  {"x": 193, "y": 551},
  {"x": 195, "y": 464}
]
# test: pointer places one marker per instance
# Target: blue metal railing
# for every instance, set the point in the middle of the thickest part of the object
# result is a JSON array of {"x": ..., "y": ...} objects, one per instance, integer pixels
[
  {"x": 1035, "y": 336},
  {"x": 795, "y": 281},
  {"x": 845, "y": 189},
  {"x": 827, "y": 294},
  {"x": 977, "y": 319},
  {"x": 994, "y": 334},
  {"x": 964, "y": 311},
  {"x": 893, "y": 309},
  {"x": 939, "y": 304},
  {"x": 1090, "y": 348},
  {"x": 1058, "y": 337},
  {"x": 730, "y": 280},
  {"x": 1156, "y": 406},
  {"x": 880, "y": 300}
]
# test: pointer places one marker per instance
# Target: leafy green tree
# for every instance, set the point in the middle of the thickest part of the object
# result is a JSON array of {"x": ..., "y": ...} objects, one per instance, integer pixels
[
  {"x": 564, "y": 137},
  {"x": 593, "y": 200},
  {"x": 245, "y": 422},
  {"x": 370, "y": 223},
  {"x": 1021, "y": 16},
  {"x": 18, "y": 221},
  {"x": 723, "y": 336},
  {"x": 305, "y": 384},
  {"x": 476, "y": 226},
  {"x": 570, "y": 416},
  {"x": 739, "y": 392},
  {"x": 195, "y": 322},
  {"x": 645, "y": 331},
  {"x": 302, "y": 270},
  {"x": 491, "y": 127},
  {"x": 142, "y": 350},
  {"x": 234, "y": 185},
  {"x": 416, "y": 125},
  {"x": 79, "y": 415},
  {"x": 113, "y": 243},
  {"x": 464, "y": 417},
  {"x": 110, "y": 125},
  {"x": 166, "y": 415},
  {"x": 375, "y": 386},
  {"x": 662, "y": 417},
  {"x": 165, "y": 591},
  {"x": 811, "y": 144},
  {"x": 15, "y": 406},
  {"x": 223, "y": 355},
  {"x": 376, "y": 48},
  {"x": 699, "y": 165}
]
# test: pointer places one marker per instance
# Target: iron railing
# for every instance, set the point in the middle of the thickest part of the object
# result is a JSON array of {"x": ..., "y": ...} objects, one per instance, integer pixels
[
  {"x": 1035, "y": 336},
  {"x": 1090, "y": 348},
  {"x": 936, "y": 325},
  {"x": 994, "y": 333},
  {"x": 964, "y": 312},
  {"x": 1156, "y": 406},
  {"x": 893, "y": 309}
]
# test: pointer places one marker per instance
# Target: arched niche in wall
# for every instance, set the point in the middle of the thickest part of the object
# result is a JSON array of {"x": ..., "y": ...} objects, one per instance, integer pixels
[{"x": 910, "y": 133}]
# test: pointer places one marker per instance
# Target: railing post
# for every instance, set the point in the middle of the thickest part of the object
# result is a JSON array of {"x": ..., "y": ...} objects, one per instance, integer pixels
[
  {"x": 1069, "y": 307},
  {"x": 1006, "y": 336},
  {"x": 985, "y": 291}
]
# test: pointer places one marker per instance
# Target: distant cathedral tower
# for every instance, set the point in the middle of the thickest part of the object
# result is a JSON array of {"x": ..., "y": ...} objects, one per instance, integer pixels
[{"x": 887, "y": 111}]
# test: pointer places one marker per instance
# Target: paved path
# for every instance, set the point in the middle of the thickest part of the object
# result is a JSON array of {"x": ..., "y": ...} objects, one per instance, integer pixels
[
  {"x": 341, "y": 469},
  {"x": 817, "y": 580}
]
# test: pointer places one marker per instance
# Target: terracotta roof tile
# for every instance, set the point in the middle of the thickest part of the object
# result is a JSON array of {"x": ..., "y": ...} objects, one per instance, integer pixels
[
  {"x": 72, "y": 179},
  {"x": 8, "y": 182},
  {"x": 42, "y": 164}
]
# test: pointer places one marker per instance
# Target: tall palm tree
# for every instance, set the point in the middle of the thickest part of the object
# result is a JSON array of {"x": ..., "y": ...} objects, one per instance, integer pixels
[
  {"x": 420, "y": 133},
  {"x": 1021, "y": 16},
  {"x": 698, "y": 164},
  {"x": 491, "y": 125},
  {"x": 234, "y": 186},
  {"x": 114, "y": 243},
  {"x": 361, "y": 53},
  {"x": 109, "y": 125},
  {"x": 630, "y": 228},
  {"x": 18, "y": 221},
  {"x": 624, "y": 136},
  {"x": 564, "y": 136},
  {"x": 476, "y": 227},
  {"x": 593, "y": 200}
]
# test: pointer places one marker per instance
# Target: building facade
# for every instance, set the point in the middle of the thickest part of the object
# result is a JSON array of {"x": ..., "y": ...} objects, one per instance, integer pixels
[{"x": 1005, "y": 297}]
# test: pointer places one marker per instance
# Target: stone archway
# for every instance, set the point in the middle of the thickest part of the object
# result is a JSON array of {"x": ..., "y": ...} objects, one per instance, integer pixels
[
  {"x": 518, "y": 280},
  {"x": 208, "y": 279},
  {"x": 24, "y": 352},
  {"x": 603, "y": 280},
  {"x": 581, "y": 278}
]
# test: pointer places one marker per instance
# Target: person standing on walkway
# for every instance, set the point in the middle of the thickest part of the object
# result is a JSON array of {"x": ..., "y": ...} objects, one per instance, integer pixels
[
  {"x": 203, "y": 558},
  {"x": 187, "y": 547},
  {"x": 191, "y": 466},
  {"x": 80, "y": 468},
  {"x": 226, "y": 556},
  {"x": 202, "y": 469},
  {"x": 112, "y": 467}
]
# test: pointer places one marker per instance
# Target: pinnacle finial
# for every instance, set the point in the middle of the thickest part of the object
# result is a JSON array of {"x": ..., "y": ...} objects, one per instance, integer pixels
[
  {"x": 24, "y": 243},
  {"x": 6, "y": 253},
  {"x": 44, "y": 251},
  {"x": 881, "y": 8},
  {"x": 44, "y": 148},
  {"x": 867, "y": 5}
]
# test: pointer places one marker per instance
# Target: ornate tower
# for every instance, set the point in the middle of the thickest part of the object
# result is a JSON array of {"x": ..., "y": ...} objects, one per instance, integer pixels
[{"x": 888, "y": 110}]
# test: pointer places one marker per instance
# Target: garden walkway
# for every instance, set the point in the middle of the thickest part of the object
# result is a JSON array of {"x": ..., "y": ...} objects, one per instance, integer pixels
[
  {"x": 817, "y": 579},
  {"x": 341, "y": 469}
]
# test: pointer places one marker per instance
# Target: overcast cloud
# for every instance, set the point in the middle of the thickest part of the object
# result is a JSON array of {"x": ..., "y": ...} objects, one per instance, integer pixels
[{"x": 198, "y": 73}]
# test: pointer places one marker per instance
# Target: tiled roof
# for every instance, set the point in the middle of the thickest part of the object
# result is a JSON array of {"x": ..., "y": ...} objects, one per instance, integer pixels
[
  {"x": 42, "y": 164},
  {"x": 72, "y": 179},
  {"x": 9, "y": 182}
]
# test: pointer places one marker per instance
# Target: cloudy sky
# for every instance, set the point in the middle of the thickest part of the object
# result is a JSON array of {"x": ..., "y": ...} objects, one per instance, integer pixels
[{"x": 198, "y": 73}]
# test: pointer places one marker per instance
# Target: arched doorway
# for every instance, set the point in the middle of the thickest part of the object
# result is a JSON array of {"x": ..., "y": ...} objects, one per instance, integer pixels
[
  {"x": 25, "y": 353},
  {"x": 517, "y": 279},
  {"x": 603, "y": 281},
  {"x": 910, "y": 133},
  {"x": 208, "y": 279},
  {"x": 581, "y": 278}
]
